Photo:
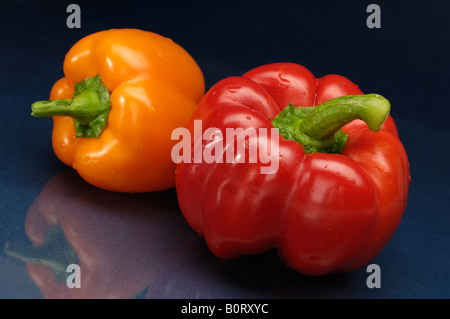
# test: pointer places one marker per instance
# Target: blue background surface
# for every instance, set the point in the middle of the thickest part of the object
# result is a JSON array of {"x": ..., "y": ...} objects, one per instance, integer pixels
[{"x": 406, "y": 61}]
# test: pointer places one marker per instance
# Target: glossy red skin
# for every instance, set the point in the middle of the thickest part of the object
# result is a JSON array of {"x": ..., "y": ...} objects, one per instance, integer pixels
[{"x": 323, "y": 212}]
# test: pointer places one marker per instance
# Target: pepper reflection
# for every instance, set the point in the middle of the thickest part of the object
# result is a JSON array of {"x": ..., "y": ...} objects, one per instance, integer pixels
[
  {"x": 118, "y": 240},
  {"x": 128, "y": 245}
]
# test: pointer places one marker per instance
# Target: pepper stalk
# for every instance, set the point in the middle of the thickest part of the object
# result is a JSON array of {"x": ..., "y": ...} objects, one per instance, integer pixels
[
  {"x": 89, "y": 107},
  {"x": 318, "y": 128}
]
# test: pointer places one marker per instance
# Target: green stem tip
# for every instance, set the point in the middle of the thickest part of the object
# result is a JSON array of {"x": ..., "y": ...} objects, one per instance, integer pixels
[
  {"x": 318, "y": 128},
  {"x": 89, "y": 107}
]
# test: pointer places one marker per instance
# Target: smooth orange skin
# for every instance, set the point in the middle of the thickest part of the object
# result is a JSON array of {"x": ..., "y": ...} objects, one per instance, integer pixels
[{"x": 155, "y": 86}]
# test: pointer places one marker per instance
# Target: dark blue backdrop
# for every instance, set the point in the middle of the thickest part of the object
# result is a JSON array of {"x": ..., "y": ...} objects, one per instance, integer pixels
[{"x": 406, "y": 60}]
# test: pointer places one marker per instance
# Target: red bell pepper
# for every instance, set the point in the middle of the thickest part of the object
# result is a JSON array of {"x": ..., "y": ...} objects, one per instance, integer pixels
[{"x": 341, "y": 186}]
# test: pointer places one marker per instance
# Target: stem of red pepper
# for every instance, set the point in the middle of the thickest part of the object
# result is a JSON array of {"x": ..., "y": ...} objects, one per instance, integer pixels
[
  {"x": 318, "y": 128},
  {"x": 89, "y": 107}
]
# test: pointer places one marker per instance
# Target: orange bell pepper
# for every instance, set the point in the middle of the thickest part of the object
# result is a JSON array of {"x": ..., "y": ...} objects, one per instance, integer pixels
[{"x": 123, "y": 93}]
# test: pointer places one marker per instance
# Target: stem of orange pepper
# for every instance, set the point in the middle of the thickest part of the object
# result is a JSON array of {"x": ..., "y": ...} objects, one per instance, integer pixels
[{"x": 89, "y": 107}]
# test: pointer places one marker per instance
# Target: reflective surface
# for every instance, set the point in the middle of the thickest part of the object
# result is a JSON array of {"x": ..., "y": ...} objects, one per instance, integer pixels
[
  {"x": 139, "y": 246},
  {"x": 119, "y": 240}
]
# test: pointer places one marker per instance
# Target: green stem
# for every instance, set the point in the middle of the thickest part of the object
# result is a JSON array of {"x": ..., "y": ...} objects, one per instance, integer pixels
[
  {"x": 318, "y": 128},
  {"x": 89, "y": 107}
]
